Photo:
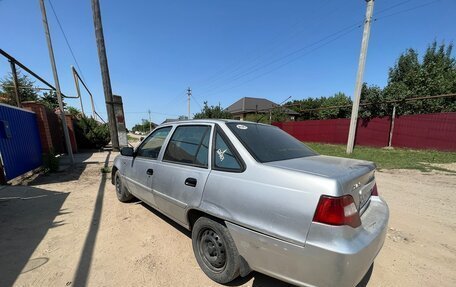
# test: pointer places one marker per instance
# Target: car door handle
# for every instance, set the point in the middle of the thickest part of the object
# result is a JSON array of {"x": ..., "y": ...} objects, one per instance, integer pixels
[
  {"x": 150, "y": 171},
  {"x": 190, "y": 182}
]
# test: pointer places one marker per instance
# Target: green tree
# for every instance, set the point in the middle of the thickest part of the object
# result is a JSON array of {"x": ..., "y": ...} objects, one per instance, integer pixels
[
  {"x": 335, "y": 107},
  {"x": 74, "y": 112},
  {"x": 91, "y": 134},
  {"x": 306, "y": 107},
  {"x": 26, "y": 90},
  {"x": 144, "y": 126},
  {"x": 212, "y": 112},
  {"x": 434, "y": 75},
  {"x": 49, "y": 99},
  {"x": 323, "y": 107},
  {"x": 373, "y": 95}
]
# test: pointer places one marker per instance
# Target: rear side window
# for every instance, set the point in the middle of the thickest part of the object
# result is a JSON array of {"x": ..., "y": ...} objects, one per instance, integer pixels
[
  {"x": 224, "y": 156},
  {"x": 189, "y": 145},
  {"x": 268, "y": 143}
]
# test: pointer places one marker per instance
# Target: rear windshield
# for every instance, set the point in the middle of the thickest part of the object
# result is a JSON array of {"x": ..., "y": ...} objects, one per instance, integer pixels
[{"x": 268, "y": 143}]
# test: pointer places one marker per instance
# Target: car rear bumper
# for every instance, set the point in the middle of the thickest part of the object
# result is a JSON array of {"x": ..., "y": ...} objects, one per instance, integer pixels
[{"x": 332, "y": 256}]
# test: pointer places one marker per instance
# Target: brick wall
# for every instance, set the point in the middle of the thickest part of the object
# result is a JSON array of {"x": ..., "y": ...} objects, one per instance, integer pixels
[{"x": 50, "y": 128}]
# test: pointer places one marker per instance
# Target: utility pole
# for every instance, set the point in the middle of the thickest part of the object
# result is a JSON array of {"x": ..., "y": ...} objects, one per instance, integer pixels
[
  {"x": 105, "y": 74},
  {"x": 16, "y": 83},
  {"x": 78, "y": 91},
  {"x": 392, "y": 126},
  {"x": 189, "y": 94},
  {"x": 150, "y": 121},
  {"x": 359, "y": 76},
  {"x": 56, "y": 79}
]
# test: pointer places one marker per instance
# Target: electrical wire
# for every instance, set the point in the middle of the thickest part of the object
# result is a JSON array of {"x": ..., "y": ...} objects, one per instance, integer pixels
[
  {"x": 259, "y": 67},
  {"x": 259, "y": 53},
  {"x": 392, "y": 7},
  {"x": 66, "y": 39},
  {"x": 285, "y": 63},
  {"x": 407, "y": 10},
  {"x": 295, "y": 54},
  {"x": 194, "y": 99}
]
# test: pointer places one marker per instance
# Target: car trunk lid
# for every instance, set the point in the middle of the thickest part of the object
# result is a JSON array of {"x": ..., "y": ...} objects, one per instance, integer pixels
[{"x": 355, "y": 177}]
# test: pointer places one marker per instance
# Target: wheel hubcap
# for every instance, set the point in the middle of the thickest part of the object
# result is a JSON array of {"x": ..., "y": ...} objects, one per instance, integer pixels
[{"x": 212, "y": 249}]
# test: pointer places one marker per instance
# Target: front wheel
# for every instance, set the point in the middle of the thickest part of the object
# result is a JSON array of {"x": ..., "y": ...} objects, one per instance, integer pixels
[
  {"x": 215, "y": 250},
  {"x": 123, "y": 194}
]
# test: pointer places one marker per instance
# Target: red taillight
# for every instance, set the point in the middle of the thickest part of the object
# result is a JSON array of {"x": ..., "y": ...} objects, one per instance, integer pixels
[
  {"x": 337, "y": 211},
  {"x": 374, "y": 190}
]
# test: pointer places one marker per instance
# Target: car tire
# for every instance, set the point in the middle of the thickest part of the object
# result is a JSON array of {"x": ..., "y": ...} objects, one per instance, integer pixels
[
  {"x": 215, "y": 250},
  {"x": 123, "y": 195}
]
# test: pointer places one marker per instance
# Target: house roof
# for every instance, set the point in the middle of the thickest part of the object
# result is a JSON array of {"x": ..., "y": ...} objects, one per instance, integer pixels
[{"x": 249, "y": 105}]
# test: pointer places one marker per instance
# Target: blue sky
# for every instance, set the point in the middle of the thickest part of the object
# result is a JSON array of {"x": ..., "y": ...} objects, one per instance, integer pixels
[{"x": 223, "y": 49}]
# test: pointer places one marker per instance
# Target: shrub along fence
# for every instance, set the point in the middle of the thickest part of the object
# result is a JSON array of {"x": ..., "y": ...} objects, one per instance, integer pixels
[{"x": 424, "y": 131}]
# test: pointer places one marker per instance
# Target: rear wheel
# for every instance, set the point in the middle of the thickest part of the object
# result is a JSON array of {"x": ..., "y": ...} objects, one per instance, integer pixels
[
  {"x": 215, "y": 250},
  {"x": 123, "y": 194}
]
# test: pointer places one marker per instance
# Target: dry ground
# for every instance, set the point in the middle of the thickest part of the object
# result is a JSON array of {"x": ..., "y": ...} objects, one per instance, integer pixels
[{"x": 68, "y": 229}]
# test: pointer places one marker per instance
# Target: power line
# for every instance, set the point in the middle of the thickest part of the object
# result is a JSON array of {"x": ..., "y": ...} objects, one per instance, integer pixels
[
  {"x": 193, "y": 97},
  {"x": 392, "y": 7},
  {"x": 257, "y": 67},
  {"x": 407, "y": 10},
  {"x": 66, "y": 39},
  {"x": 257, "y": 53},
  {"x": 152, "y": 112},
  {"x": 335, "y": 36}
]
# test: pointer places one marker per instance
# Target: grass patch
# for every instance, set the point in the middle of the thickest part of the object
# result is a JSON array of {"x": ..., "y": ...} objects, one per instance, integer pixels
[
  {"x": 105, "y": 169},
  {"x": 390, "y": 158},
  {"x": 132, "y": 139}
]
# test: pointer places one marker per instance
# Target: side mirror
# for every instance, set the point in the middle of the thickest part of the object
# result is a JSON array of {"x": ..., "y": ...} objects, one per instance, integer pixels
[
  {"x": 141, "y": 139},
  {"x": 127, "y": 151}
]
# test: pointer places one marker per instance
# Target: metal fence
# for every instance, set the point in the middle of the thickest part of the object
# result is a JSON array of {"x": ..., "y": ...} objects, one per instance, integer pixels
[
  {"x": 424, "y": 131},
  {"x": 20, "y": 146}
]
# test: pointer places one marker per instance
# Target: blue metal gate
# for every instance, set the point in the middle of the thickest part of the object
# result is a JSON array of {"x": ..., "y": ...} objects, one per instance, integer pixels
[{"x": 20, "y": 145}]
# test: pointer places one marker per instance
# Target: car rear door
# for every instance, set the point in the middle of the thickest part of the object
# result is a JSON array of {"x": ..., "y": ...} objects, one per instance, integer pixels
[
  {"x": 180, "y": 177},
  {"x": 141, "y": 171}
]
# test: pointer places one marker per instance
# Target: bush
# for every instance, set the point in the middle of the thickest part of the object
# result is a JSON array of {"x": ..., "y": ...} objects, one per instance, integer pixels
[{"x": 91, "y": 134}]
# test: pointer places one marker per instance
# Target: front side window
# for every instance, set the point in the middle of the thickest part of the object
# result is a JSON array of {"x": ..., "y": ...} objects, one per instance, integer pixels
[
  {"x": 224, "y": 157},
  {"x": 189, "y": 145},
  {"x": 151, "y": 146},
  {"x": 268, "y": 143}
]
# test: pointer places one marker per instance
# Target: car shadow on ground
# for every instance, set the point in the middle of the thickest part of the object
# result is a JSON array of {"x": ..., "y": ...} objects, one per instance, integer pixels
[{"x": 26, "y": 215}]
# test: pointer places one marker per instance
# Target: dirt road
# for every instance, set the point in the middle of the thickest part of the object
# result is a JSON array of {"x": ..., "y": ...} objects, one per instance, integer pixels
[{"x": 68, "y": 229}]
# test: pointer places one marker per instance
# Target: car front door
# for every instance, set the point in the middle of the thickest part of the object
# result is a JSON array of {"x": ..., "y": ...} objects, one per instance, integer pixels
[
  {"x": 141, "y": 171},
  {"x": 181, "y": 176}
]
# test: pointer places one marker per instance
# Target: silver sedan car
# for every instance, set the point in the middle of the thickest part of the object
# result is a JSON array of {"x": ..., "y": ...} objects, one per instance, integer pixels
[{"x": 255, "y": 198}]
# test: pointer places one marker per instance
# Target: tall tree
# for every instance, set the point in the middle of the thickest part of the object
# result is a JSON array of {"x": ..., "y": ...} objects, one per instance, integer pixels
[
  {"x": 335, "y": 107},
  {"x": 144, "y": 126},
  {"x": 212, "y": 112},
  {"x": 323, "y": 107},
  {"x": 49, "y": 99},
  {"x": 374, "y": 97},
  {"x": 434, "y": 75},
  {"x": 26, "y": 90}
]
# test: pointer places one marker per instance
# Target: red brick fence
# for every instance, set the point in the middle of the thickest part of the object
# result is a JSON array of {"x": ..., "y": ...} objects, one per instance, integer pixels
[{"x": 427, "y": 131}]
